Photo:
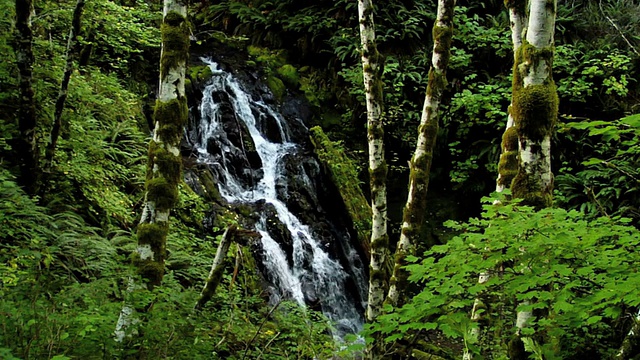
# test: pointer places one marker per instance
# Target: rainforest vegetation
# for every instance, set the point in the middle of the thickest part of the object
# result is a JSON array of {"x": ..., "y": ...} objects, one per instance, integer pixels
[{"x": 93, "y": 102}]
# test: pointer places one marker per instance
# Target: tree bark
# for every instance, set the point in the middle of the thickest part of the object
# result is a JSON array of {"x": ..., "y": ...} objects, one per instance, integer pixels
[
  {"x": 534, "y": 110},
  {"x": 631, "y": 343},
  {"x": 164, "y": 164},
  {"x": 372, "y": 73},
  {"x": 508, "y": 164},
  {"x": 26, "y": 145},
  {"x": 64, "y": 86},
  {"x": 215, "y": 275},
  {"x": 420, "y": 166}
]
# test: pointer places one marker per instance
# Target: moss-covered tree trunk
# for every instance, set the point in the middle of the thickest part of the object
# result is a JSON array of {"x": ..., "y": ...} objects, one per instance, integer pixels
[
  {"x": 534, "y": 110},
  {"x": 372, "y": 71},
  {"x": 26, "y": 146},
  {"x": 215, "y": 275},
  {"x": 64, "y": 86},
  {"x": 420, "y": 166},
  {"x": 508, "y": 165},
  {"x": 164, "y": 164}
]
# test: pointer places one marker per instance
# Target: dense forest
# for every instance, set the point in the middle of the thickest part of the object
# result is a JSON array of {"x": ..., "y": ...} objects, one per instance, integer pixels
[{"x": 328, "y": 179}]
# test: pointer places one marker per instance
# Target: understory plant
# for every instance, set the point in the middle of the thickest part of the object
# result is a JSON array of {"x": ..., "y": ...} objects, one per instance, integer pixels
[{"x": 576, "y": 274}]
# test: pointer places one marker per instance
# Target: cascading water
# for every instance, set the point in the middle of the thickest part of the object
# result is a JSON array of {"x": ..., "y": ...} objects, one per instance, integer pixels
[{"x": 300, "y": 267}]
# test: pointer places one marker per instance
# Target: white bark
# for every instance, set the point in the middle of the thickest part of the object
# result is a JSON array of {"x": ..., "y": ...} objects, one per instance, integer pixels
[
  {"x": 535, "y": 154},
  {"x": 517, "y": 22},
  {"x": 215, "y": 273},
  {"x": 371, "y": 69},
  {"x": 420, "y": 165},
  {"x": 171, "y": 87}
]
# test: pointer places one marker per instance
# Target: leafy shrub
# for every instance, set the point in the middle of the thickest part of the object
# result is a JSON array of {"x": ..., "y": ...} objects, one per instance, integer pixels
[{"x": 576, "y": 275}]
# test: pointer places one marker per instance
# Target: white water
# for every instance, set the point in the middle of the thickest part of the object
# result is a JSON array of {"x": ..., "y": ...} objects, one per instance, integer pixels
[{"x": 313, "y": 270}]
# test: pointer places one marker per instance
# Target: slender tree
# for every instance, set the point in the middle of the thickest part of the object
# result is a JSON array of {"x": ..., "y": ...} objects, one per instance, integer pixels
[
  {"x": 70, "y": 56},
  {"x": 164, "y": 164},
  {"x": 372, "y": 71},
  {"x": 26, "y": 146},
  {"x": 534, "y": 110},
  {"x": 508, "y": 165},
  {"x": 420, "y": 165}
]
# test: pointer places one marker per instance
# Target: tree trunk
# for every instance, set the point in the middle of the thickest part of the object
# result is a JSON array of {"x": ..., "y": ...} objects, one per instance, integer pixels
[
  {"x": 420, "y": 166},
  {"x": 508, "y": 164},
  {"x": 164, "y": 165},
  {"x": 64, "y": 86},
  {"x": 372, "y": 72},
  {"x": 215, "y": 275},
  {"x": 535, "y": 106},
  {"x": 534, "y": 111},
  {"x": 26, "y": 146},
  {"x": 631, "y": 343}
]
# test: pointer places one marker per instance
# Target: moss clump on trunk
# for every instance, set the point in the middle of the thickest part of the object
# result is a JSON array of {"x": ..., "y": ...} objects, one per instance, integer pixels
[
  {"x": 171, "y": 117},
  {"x": 535, "y": 110},
  {"x": 175, "y": 42}
]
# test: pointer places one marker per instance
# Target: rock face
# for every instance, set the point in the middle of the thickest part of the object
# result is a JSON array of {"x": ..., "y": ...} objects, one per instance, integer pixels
[{"x": 254, "y": 185}]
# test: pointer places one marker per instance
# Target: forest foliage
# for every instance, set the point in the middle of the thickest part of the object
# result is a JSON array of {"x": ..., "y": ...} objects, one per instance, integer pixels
[{"x": 65, "y": 254}]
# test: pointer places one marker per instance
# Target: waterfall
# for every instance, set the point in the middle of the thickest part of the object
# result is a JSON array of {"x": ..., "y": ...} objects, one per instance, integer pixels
[{"x": 256, "y": 170}]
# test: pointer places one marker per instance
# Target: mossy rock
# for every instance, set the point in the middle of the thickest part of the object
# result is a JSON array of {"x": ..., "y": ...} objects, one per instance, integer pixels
[
  {"x": 272, "y": 58},
  {"x": 277, "y": 87},
  {"x": 200, "y": 74},
  {"x": 344, "y": 175},
  {"x": 289, "y": 74}
]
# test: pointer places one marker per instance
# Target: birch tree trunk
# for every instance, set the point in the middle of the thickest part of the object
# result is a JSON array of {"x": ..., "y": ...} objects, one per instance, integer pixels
[
  {"x": 534, "y": 110},
  {"x": 64, "y": 86},
  {"x": 420, "y": 166},
  {"x": 508, "y": 164},
  {"x": 372, "y": 73},
  {"x": 26, "y": 145},
  {"x": 164, "y": 164}
]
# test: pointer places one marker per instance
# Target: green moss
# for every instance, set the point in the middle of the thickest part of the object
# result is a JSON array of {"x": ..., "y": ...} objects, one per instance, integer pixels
[
  {"x": 442, "y": 36},
  {"x": 508, "y": 167},
  {"x": 171, "y": 116},
  {"x": 378, "y": 175},
  {"x": 153, "y": 235},
  {"x": 277, "y": 87},
  {"x": 162, "y": 193},
  {"x": 169, "y": 165},
  {"x": 174, "y": 18},
  {"x": 152, "y": 271},
  {"x": 271, "y": 58},
  {"x": 527, "y": 55},
  {"x": 380, "y": 275},
  {"x": 175, "y": 42},
  {"x": 289, "y": 74},
  {"x": 530, "y": 191},
  {"x": 535, "y": 110},
  {"x": 344, "y": 175},
  {"x": 510, "y": 139},
  {"x": 200, "y": 73}
]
